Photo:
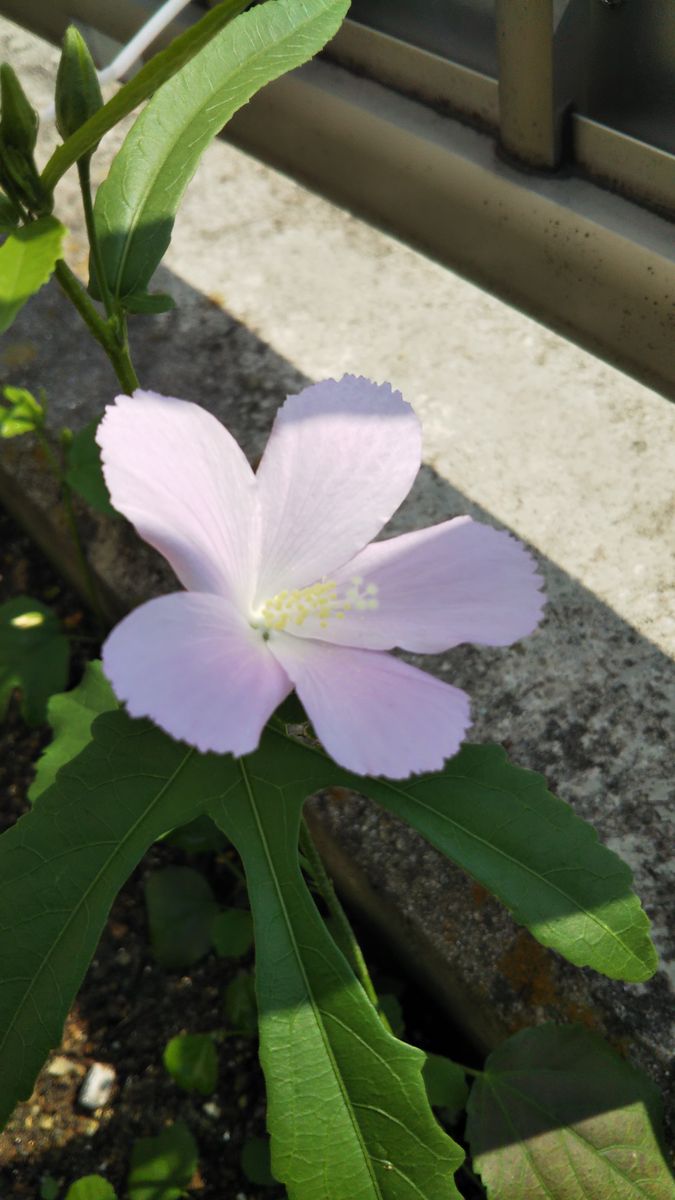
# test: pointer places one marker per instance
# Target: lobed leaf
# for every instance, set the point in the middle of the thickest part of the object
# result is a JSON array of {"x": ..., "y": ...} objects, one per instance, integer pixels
[
  {"x": 558, "y": 1114},
  {"x": 34, "y": 656},
  {"x": 136, "y": 205},
  {"x": 27, "y": 260},
  {"x": 347, "y": 1108},
  {"x": 71, "y": 716},
  {"x": 62, "y": 864},
  {"x": 500, "y": 823}
]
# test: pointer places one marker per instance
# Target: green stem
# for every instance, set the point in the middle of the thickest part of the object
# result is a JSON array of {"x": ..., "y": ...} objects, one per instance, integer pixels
[
  {"x": 89, "y": 579},
  {"x": 125, "y": 369},
  {"x": 469, "y": 1070},
  {"x": 116, "y": 347},
  {"x": 345, "y": 934},
  {"x": 71, "y": 521},
  {"x": 76, "y": 293},
  {"x": 85, "y": 188}
]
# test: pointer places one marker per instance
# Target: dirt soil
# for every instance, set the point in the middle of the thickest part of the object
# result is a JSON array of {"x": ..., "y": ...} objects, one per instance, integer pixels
[{"x": 129, "y": 1007}]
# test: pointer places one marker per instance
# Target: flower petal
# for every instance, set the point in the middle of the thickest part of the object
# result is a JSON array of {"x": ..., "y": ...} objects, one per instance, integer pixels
[
  {"x": 341, "y": 457},
  {"x": 374, "y": 714},
  {"x": 427, "y": 591},
  {"x": 193, "y": 665},
  {"x": 182, "y": 480}
]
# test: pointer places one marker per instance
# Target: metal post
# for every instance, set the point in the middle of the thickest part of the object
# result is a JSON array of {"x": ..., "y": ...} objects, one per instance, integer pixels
[{"x": 527, "y": 117}]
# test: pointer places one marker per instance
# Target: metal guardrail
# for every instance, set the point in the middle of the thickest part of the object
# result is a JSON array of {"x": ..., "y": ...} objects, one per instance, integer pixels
[{"x": 494, "y": 178}]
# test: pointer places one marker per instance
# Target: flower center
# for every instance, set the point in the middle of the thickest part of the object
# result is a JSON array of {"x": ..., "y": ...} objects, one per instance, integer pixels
[{"x": 320, "y": 602}]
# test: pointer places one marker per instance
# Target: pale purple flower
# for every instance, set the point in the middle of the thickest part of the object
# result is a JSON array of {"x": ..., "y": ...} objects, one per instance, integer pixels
[{"x": 283, "y": 588}]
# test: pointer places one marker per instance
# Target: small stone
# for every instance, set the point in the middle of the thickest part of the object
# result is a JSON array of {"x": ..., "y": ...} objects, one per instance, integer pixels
[
  {"x": 60, "y": 1066},
  {"x": 212, "y": 1109},
  {"x": 46, "y": 1122},
  {"x": 123, "y": 957},
  {"x": 97, "y": 1086}
]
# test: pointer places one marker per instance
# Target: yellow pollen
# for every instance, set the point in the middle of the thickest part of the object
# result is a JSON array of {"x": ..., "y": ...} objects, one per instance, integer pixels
[{"x": 317, "y": 603}]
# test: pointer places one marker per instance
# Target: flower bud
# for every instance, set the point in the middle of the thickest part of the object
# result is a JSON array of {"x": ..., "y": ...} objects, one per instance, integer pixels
[
  {"x": 78, "y": 92},
  {"x": 9, "y": 217},
  {"x": 18, "y": 134},
  {"x": 19, "y": 120},
  {"x": 20, "y": 179}
]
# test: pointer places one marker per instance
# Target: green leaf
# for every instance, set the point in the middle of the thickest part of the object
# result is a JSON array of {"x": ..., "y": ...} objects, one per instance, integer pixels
[
  {"x": 501, "y": 824},
  {"x": 558, "y": 1114},
  {"x": 232, "y": 933},
  {"x": 71, "y": 716},
  {"x": 255, "y": 1162},
  {"x": 84, "y": 473},
  {"x": 24, "y": 415},
  {"x": 181, "y": 908},
  {"x": 49, "y": 1187},
  {"x": 91, "y": 1187},
  {"x": 192, "y": 1061},
  {"x": 347, "y": 1109},
  {"x": 27, "y": 260},
  {"x": 146, "y": 81},
  {"x": 136, "y": 205},
  {"x": 20, "y": 179},
  {"x": 241, "y": 1009},
  {"x": 34, "y": 656},
  {"x": 63, "y": 863},
  {"x": 162, "y": 1167},
  {"x": 149, "y": 302},
  {"x": 446, "y": 1084}
]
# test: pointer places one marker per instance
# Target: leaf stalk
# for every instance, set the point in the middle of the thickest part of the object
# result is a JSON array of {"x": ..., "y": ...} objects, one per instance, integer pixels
[
  {"x": 345, "y": 934},
  {"x": 115, "y": 344}
]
